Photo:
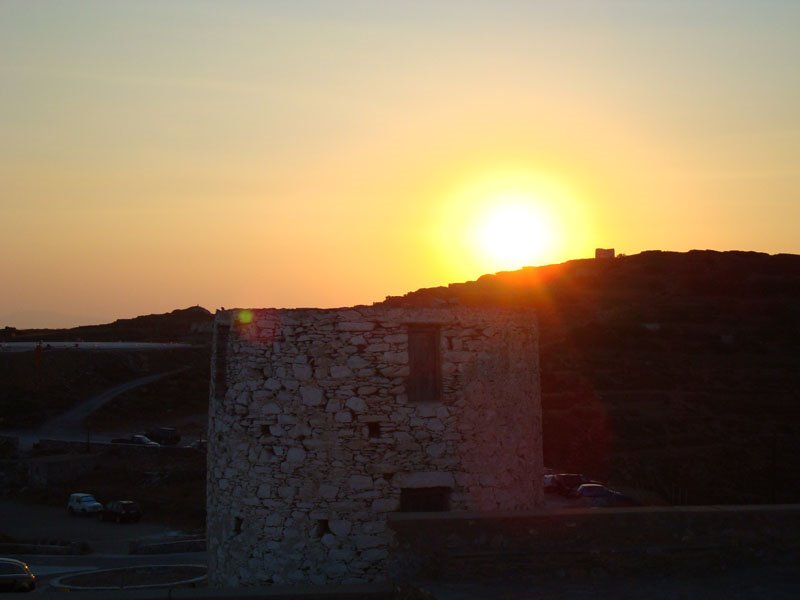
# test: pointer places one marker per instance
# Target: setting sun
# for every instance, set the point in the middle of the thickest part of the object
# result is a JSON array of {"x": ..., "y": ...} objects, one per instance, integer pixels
[
  {"x": 513, "y": 232},
  {"x": 508, "y": 218}
]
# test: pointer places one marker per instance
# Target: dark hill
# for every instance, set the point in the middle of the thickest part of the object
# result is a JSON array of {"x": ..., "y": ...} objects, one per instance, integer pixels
[
  {"x": 191, "y": 325},
  {"x": 34, "y": 389},
  {"x": 674, "y": 372}
]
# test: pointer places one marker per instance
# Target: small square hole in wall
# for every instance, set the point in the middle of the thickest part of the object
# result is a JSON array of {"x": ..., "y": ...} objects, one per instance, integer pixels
[
  {"x": 265, "y": 430},
  {"x": 432, "y": 499},
  {"x": 322, "y": 527},
  {"x": 374, "y": 430}
]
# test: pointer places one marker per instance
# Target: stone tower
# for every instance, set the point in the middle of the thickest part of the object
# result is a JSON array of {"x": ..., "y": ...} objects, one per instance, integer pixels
[{"x": 323, "y": 421}]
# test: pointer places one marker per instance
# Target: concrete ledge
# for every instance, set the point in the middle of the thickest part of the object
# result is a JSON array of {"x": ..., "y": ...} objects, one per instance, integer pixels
[{"x": 655, "y": 540}]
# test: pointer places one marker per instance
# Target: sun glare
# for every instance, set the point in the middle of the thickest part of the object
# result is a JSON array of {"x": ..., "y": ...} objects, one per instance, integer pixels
[
  {"x": 508, "y": 219},
  {"x": 513, "y": 232}
]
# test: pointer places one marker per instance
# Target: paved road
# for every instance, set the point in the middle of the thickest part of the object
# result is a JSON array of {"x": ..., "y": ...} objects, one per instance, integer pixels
[{"x": 109, "y": 541}]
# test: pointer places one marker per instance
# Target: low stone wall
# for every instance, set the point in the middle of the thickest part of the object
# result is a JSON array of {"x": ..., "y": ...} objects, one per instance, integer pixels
[
  {"x": 173, "y": 547},
  {"x": 58, "y": 461},
  {"x": 73, "y": 548},
  {"x": 46, "y": 446},
  {"x": 589, "y": 541},
  {"x": 51, "y": 470},
  {"x": 9, "y": 446},
  {"x": 12, "y": 473}
]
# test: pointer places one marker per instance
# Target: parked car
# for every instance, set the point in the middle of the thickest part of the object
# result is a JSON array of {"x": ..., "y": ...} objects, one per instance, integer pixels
[
  {"x": 567, "y": 483},
  {"x": 15, "y": 576},
  {"x": 600, "y": 495},
  {"x": 136, "y": 439},
  {"x": 121, "y": 510},
  {"x": 200, "y": 445},
  {"x": 549, "y": 480},
  {"x": 166, "y": 436},
  {"x": 83, "y": 504}
]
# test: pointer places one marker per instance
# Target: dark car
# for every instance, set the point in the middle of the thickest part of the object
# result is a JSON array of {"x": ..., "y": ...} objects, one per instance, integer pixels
[
  {"x": 166, "y": 436},
  {"x": 15, "y": 576},
  {"x": 121, "y": 511},
  {"x": 136, "y": 440}
]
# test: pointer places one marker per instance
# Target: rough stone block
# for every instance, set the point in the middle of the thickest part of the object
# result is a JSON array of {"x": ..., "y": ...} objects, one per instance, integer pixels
[
  {"x": 355, "y": 326},
  {"x": 341, "y": 372},
  {"x": 302, "y": 372},
  {"x": 261, "y": 395},
  {"x": 360, "y": 482},
  {"x": 340, "y": 527},
  {"x": 395, "y": 358},
  {"x": 357, "y": 404},
  {"x": 329, "y": 492},
  {"x": 434, "y": 425},
  {"x": 382, "y": 505},
  {"x": 295, "y": 455},
  {"x": 374, "y": 555},
  {"x": 364, "y": 542},
  {"x": 343, "y": 416},
  {"x": 311, "y": 396},
  {"x": 341, "y": 554},
  {"x": 357, "y": 362},
  {"x": 287, "y": 492},
  {"x": 435, "y": 450},
  {"x": 422, "y": 479}
]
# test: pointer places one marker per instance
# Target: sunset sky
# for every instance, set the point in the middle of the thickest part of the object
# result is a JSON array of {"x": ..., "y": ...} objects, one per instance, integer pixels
[{"x": 158, "y": 155}]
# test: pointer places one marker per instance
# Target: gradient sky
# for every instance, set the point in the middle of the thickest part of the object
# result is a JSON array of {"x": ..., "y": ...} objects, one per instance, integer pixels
[{"x": 156, "y": 155}]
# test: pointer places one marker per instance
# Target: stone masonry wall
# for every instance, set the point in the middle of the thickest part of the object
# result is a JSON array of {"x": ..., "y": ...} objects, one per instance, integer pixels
[{"x": 312, "y": 436}]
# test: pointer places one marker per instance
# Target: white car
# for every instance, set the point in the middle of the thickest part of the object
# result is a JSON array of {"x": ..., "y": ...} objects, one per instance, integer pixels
[{"x": 83, "y": 504}]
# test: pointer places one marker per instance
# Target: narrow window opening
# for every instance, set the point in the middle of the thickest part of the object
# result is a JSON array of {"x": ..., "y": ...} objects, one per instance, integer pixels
[
  {"x": 237, "y": 525},
  {"x": 220, "y": 362},
  {"x": 374, "y": 430},
  {"x": 432, "y": 499},
  {"x": 424, "y": 363},
  {"x": 322, "y": 527}
]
